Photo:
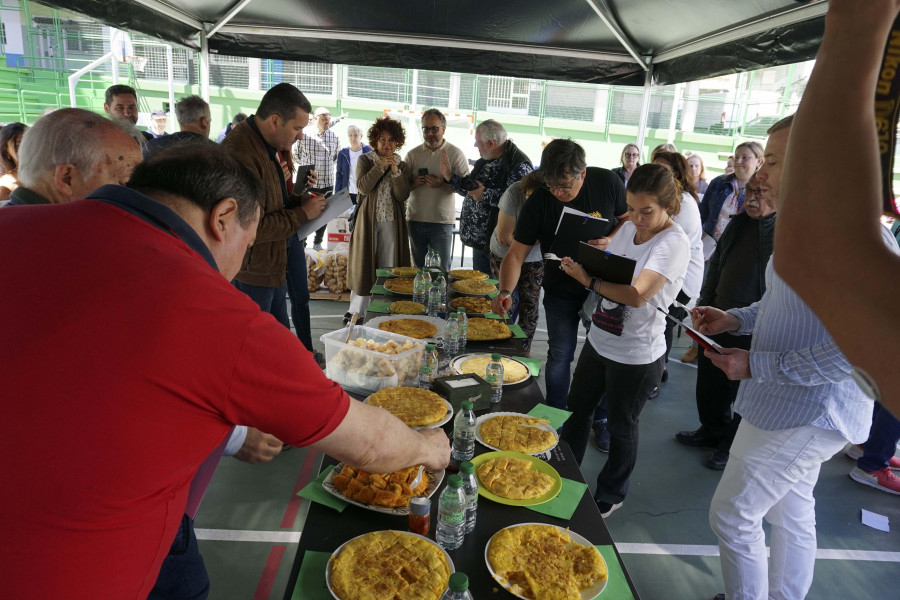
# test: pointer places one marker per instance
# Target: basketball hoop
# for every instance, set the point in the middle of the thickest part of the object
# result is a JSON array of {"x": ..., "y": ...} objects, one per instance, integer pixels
[{"x": 138, "y": 62}]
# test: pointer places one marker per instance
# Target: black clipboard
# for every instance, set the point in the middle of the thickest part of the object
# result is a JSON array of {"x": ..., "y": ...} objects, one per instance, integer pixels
[
  {"x": 574, "y": 228},
  {"x": 606, "y": 266}
]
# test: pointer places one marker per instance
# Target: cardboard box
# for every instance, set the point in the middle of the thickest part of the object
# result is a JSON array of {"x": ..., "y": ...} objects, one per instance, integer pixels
[{"x": 457, "y": 388}]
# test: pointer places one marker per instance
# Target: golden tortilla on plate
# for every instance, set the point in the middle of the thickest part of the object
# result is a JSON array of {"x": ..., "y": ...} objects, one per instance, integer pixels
[
  {"x": 414, "y": 328},
  {"x": 401, "y": 285},
  {"x": 389, "y": 564},
  {"x": 519, "y": 433},
  {"x": 482, "y": 330},
  {"x": 407, "y": 307},
  {"x": 543, "y": 563},
  {"x": 473, "y": 286},
  {"x": 405, "y": 271},
  {"x": 514, "y": 478},
  {"x": 414, "y": 406},
  {"x": 472, "y": 304},
  {"x": 513, "y": 371},
  {"x": 467, "y": 274}
]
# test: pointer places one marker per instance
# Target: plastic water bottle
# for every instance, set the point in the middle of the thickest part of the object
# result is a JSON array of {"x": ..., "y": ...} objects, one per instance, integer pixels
[
  {"x": 463, "y": 321},
  {"x": 464, "y": 433},
  {"x": 451, "y": 334},
  {"x": 419, "y": 288},
  {"x": 441, "y": 284},
  {"x": 437, "y": 259},
  {"x": 493, "y": 374},
  {"x": 451, "y": 523},
  {"x": 434, "y": 301},
  {"x": 427, "y": 277},
  {"x": 470, "y": 486},
  {"x": 458, "y": 588},
  {"x": 428, "y": 367}
]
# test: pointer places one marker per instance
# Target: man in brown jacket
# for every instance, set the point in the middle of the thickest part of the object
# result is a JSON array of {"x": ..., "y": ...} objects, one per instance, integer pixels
[{"x": 277, "y": 124}]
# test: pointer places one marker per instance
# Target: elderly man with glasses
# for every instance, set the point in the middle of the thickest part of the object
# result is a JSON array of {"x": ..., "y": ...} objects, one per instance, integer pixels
[
  {"x": 735, "y": 279},
  {"x": 431, "y": 209}
]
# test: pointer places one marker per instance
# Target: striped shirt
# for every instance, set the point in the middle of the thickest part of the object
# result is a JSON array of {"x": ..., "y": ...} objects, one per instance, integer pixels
[
  {"x": 799, "y": 375},
  {"x": 320, "y": 150}
]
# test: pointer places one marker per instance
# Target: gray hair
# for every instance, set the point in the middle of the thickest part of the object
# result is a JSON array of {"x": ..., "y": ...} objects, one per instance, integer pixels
[
  {"x": 191, "y": 109},
  {"x": 66, "y": 136},
  {"x": 492, "y": 130},
  {"x": 433, "y": 112},
  {"x": 130, "y": 130},
  {"x": 355, "y": 128}
]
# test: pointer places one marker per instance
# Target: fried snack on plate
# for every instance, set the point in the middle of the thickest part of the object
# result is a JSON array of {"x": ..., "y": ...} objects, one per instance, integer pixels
[
  {"x": 415, "y": 328},
  {"x": 472, "y": 304},
  {"x": 388, "y": 489},
  {"x": 513, "y": 370},
  {"x": 473, "y": 286},
  {"x": 519, "y": 433},
  {"x": 467, "y": 274},
  {"x": 402, "y": 285},
  {"x": 542, "y": 562},
  {"x": 405, "y": 271},
  {"x": 407, "y": 307},
  {"x": 389, "y": 565},
  {"x": 483, "y": 330},
  {"x": 416, "y": 407},
  {"x": 514, "y": 478}
]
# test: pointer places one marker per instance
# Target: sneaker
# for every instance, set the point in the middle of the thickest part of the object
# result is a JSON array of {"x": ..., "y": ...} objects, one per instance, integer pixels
[
  {"x": 882, "y": 479},
  {"x": 601, "y": 436},
  {"x": 691, "y": 355},
  {"x": 855, "y": 451},
  {"x": 606, "y": 508},
  {"x": 654, "y": 393}
]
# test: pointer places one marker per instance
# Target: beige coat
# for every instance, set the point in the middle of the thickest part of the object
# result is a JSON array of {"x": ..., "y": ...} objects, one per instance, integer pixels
[{"x": 361, "y": 268}]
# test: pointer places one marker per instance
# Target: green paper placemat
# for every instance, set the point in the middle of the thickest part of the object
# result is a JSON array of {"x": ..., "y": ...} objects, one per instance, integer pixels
[
  {"x": 616, "y": 586},
  {"x": 566, "y": 501},
  {"x": 316, "y": 493},
  {"x": 379, "y": 306},
  {"x": 379, "y": 289},
  {"x": 384, "y": 273},
  {"x": 556, "y": 416},
  {"x": 494, "y": 281},
  {"x": 533, "y": 363},
  {"x": 311, "y": 578},
  {"x": 490, "y": 315},
  {"x": 517, "y": 332}
]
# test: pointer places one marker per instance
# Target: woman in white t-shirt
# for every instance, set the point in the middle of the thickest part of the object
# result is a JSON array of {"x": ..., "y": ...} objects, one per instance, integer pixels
[{"x": 625, "y": 351}]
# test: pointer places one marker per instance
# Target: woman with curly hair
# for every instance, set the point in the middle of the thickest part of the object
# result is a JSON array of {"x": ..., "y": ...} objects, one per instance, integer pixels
[
  {"x": 10, "y": 140},
  {"x": 380, "y": 237}
]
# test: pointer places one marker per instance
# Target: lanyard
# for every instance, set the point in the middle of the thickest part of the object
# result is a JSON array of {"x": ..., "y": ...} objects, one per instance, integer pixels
[{"x": 887, "y": 110}]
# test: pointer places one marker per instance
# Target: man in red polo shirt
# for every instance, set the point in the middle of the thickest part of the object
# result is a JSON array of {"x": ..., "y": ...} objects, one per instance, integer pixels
[{"x": 155, "y": 359}]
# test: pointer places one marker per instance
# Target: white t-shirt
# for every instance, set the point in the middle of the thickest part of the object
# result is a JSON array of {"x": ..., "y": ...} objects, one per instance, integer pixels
[
  {"x": 354, "y": 157},
  {"x": 634, "y": 335},
  {"x": 689, "y": 220}
]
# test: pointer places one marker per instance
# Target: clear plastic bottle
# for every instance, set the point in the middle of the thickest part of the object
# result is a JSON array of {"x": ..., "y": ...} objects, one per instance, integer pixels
[
  {"x": 419, "y": 288},
  {"x": 451, "y": 334},
  {"x": 428, "y": 367},
  {"x": 493, "y": 374},
  {"x": 451, "y": 522},
  {"x": 437, "y": 259},
  {"x": 458, "y": 588},
  {"x": 464, "y": 432},
  {"x": 434, "y": 301},
  {"x": 429, "y": 258},
  {"x": 463, "y": 321},
  {"x": 441, "y": 284},
  {"x": 427, "y": 275},
  {"x": 470, "y": 486}
]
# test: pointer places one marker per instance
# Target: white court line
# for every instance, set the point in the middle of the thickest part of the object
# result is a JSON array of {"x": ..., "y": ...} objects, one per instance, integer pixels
[
  {"x": 580, "y": 338},
  {"x": 293, "y": 537}
]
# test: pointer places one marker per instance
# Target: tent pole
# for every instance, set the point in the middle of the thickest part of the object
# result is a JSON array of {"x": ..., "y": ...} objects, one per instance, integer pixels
[
  {"x": 645, "y": 106},
  {"x": 170, "y": 74},
  {"x": 204, "y": 66},
  {"x": 673, "y": 117}
]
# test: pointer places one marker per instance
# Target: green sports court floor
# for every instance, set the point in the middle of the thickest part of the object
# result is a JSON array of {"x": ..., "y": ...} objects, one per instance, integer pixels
[{"x": 251, "y": 519}]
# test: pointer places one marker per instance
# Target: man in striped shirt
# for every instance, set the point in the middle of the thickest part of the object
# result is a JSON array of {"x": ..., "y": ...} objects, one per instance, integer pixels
[{"x": 800, "y": 406}]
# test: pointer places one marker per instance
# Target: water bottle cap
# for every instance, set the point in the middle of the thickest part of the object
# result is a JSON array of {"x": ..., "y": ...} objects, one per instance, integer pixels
[
  {"x": 461, "y": 309},
  {"x": 467, "y": 405},
  {"x": 429, "y": 347},
  {"x": 459, "y": 582},
  {"x": 495, "y": 356},
  {"x": 420, "y": 506},
  {"x": 466, "y": 467},
  {"x": 454, "y": 481}
]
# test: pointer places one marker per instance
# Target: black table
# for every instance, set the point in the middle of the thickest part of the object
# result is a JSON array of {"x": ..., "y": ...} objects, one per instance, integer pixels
[{"x": 325, "y": 529}]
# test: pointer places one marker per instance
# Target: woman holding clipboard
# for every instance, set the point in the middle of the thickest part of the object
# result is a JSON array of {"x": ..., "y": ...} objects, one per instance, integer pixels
[{"x": 625, "y": 351}]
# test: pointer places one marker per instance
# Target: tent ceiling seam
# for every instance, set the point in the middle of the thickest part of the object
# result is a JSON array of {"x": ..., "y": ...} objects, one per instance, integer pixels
[
  {"x": 613, "y": 26},
  {"x": 232, "y": 13},
  {"x": 174, "y": 13}
]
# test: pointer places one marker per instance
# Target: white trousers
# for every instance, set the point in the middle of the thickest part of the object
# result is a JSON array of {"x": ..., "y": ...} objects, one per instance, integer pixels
[
  {"x": 771, "y": 475},
  {"x": 385, "y": 250}
]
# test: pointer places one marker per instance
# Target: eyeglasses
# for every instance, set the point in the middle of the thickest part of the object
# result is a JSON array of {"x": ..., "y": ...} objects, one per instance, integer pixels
[
  {"x": 561, "y": 187},
  {"x": 431, "y": 129},
  {"x": 754, "y": 191},
  {"x": 631, "y": 155}
]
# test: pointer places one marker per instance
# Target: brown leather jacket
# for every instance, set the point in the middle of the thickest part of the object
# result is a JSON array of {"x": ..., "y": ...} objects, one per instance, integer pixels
[{"x": 265, "y": 263}]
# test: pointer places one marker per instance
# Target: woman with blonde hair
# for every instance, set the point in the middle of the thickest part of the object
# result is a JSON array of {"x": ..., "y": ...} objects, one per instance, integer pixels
[
  {"x": 630, "y": 159},
  {"x": 698, "y": 173},
  {"x": 725, "y": 195}
]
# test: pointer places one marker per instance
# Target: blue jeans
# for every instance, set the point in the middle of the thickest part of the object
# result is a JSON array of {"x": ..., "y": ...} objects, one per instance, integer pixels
[
  {"x": 882, "y": 442},
  {"x": 423, "y": 236},
  {"x": 298, "y": 291},
  {"x": 481, "y": 260},
  {"x": 562, "y": 337},
  {"x": 270, "y": 299},
  {"x": 182, "y": 575}
]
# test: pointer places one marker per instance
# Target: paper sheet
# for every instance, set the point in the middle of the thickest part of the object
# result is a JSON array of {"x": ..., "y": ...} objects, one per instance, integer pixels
[
  {"x": 875, "y": 521},
  {"x": 334, "y": 207}
]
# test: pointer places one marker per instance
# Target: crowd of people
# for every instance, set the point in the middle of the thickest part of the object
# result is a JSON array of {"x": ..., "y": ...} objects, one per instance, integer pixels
[{"x": 165, "y": 359}]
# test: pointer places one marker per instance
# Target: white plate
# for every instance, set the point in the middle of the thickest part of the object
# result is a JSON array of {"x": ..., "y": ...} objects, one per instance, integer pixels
[
  {"x": 459, "y": 360},
  {"x": 443, "y": 421},
  {"x": 338, "y": 551},
  {"x": 487, "y": 416},
  {"x": 435, "y": 479},
  {"x": 440, "y": 324},
  {"x": 588, "y": 594}
]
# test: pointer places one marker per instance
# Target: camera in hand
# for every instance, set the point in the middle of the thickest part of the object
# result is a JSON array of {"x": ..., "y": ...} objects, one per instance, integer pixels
[{"x": 468, "y": 183}]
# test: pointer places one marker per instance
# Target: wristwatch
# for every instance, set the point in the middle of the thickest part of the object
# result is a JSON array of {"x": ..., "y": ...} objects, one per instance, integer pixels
[
  {"x": 506, "y": 292},
  {"x": 592, "y": 284}
]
